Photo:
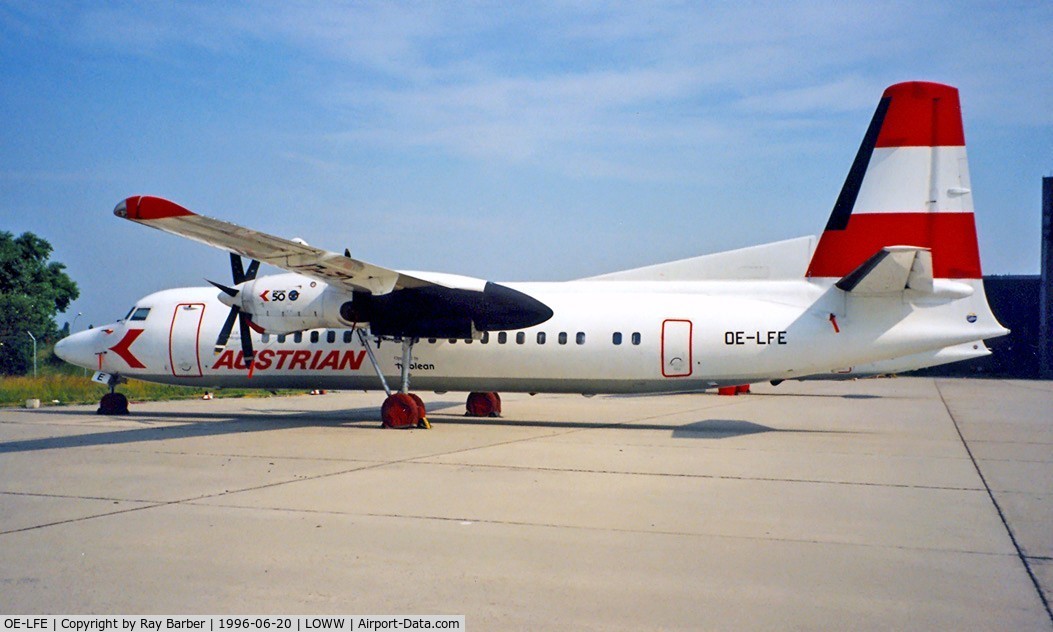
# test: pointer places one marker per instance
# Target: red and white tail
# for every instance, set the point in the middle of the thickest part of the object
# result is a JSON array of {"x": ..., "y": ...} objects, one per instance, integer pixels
[{"x": 908, "y": 186}]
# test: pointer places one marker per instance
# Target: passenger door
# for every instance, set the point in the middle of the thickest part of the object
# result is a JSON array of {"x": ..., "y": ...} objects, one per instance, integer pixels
[
  {"x": 676, "y": 348},
  {"x": 184, "y": 339}
]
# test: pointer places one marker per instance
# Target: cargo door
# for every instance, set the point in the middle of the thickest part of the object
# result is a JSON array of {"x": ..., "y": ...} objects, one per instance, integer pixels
[
  {"x": 676, "y": 348},
  {"x": 184, "y": 339}
]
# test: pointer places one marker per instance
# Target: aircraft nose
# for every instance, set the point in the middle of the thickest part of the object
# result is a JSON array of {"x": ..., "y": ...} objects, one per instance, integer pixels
[{"x": 79, "y": 348}]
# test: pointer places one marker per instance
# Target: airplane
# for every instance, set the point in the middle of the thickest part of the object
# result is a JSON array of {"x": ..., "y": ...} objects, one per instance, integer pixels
[{"x": 893, "y": 283}]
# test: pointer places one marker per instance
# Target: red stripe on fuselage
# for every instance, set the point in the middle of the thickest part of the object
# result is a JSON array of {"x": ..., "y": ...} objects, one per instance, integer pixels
[{"x": 950, "y": 236}]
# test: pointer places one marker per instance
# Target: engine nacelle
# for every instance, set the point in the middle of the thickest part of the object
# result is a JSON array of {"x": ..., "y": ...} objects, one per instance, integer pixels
[{"x": 286, "y": 303}]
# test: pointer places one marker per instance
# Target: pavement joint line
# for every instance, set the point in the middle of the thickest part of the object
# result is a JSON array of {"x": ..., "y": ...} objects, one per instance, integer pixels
[
  {"x": 77, "y": 497},
  {"x": 83, "y": 518},
  {"x": 768, "y": 479},
  {"x": 997, "y": 442},
  {"x": 1013, "y": 461},
  {"x": 724, "y": 447},
  {"x": 260, "y": 457},
  {"x": 1001, "y": 515},
  {"x": 550, "y": 525}
]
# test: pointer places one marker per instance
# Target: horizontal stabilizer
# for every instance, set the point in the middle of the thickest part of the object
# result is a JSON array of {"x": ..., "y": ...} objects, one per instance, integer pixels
[{"x": 891, "y": 270}]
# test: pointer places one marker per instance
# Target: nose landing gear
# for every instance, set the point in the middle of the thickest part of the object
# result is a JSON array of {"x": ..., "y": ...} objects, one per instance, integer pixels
[{"x": 113, "y": 403}]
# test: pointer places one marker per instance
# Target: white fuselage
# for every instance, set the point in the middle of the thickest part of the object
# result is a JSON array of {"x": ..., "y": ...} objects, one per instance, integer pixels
[{"x": 604, "y": 337}]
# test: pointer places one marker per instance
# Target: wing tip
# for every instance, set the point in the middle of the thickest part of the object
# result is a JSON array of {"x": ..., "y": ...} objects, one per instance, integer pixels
[{"x": 146, "y": 207}]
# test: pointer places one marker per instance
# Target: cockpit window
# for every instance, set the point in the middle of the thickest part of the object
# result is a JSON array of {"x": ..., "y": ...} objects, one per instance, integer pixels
[
  {"x": 141, "y": 313},
  {"x": 129, "y": 314}
]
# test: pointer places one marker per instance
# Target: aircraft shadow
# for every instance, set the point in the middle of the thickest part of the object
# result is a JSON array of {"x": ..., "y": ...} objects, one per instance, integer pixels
[
  {"x": 757, "y": 395},
  {"x": 206, "y": 424},
  {"x": 706, "y": 429},
  {"x": 196, "y": 424},
  {"x": 825, "y": 395}
]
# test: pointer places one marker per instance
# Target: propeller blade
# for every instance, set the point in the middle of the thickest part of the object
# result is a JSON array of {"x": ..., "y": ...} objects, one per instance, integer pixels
[
  {"x": 229, "y": 291},
  {"x": 254, "y": 266},
  {"x": 224, "y": 333},
  {"x": 239, "y": 273},
  {"x": 246, "y": 338},
  {"x": 236, "y": 270}
]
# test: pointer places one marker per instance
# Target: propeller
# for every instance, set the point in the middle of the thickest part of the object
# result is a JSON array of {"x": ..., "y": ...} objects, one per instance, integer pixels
[{"x": 240, "y": 275}]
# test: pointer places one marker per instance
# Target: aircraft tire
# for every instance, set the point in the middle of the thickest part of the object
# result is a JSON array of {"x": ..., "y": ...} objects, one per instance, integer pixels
[
  {"x": 422, "y": 411},
  {"x": 113, "y": 404},
  {"x": 400, "y": 411},
  {"x": 483, "y": 405}
]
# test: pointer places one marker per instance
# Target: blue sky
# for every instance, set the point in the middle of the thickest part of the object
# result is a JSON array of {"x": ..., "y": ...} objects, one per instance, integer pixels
[{"x": 506, "y": 141}]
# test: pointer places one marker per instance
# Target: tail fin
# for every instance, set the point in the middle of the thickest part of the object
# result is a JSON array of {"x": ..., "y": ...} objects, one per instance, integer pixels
[{"x": 908, "y": 186}]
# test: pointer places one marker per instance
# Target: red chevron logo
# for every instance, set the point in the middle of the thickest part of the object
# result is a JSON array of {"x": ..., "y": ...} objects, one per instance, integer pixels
[{"x": 122, "y": 348}]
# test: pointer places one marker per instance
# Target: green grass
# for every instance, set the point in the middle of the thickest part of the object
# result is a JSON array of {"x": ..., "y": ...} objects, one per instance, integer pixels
[
  {"x": 59, "y": 383},
  {"x": 61, "y": 387}
]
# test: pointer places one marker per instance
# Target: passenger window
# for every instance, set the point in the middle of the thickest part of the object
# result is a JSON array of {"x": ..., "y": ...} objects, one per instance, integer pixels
[
  {"x": 520, "y": 338},
  {"x": 453, "y": 341},
  {"x": 347, "y": 336},
  {"x": 562, "y": 337},
  {"x": 580, "y": 338},
  {"x": 330, "y": 337},
  {"x": 298, "y": 337},
  {"x": 486, "y": 337},
  {"x": 468, "y": 341},
  {"x": 432, "y": 341},
  {"x": 541, "y": 337},
  {"x": 617, "y": 338},
  {"x": 502, "y": 337},
  {"x": 141, "y": 313},
  {"x": 281, "y": 338},
  {"x": 636, "y": 337},
  {"x": 314, "y": 337},
  {"x": 266, "y": 338}
]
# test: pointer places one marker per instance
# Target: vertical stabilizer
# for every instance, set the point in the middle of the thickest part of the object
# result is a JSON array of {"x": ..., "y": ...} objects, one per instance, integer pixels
[{"x": 908, "y": 186}]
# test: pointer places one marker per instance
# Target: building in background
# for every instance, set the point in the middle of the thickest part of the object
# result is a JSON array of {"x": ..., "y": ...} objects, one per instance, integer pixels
[{"x": 1023, "y": 304}]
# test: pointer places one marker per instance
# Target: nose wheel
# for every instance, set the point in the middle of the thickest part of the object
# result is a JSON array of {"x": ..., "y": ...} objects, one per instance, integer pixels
[{"x": 113, "y": 403}]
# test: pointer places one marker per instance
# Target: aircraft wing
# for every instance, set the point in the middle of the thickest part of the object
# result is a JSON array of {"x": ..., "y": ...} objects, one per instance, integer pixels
[{"x": 330, "y": 267}]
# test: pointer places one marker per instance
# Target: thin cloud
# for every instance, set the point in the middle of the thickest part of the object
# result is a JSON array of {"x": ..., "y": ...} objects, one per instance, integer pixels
[{"x": 844, "y": 95}]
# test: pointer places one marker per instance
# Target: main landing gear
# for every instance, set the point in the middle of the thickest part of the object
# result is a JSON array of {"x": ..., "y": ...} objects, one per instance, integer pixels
[{"x": 402, "y": 409}]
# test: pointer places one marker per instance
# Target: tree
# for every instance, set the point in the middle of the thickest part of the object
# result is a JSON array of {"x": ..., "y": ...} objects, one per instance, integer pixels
[{"x": 32, "y": 291}]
